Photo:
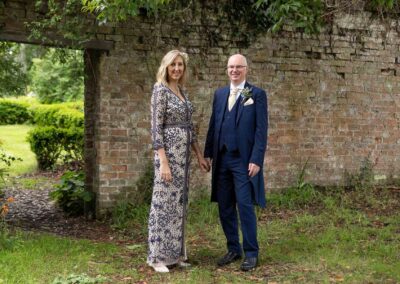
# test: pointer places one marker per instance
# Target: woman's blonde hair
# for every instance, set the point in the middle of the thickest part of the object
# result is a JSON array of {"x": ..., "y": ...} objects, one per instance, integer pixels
[{"x": 162, "y": 74}]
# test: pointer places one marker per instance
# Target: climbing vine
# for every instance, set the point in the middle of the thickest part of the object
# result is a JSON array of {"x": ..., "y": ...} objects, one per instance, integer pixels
[{"x": 242, "y": 20}]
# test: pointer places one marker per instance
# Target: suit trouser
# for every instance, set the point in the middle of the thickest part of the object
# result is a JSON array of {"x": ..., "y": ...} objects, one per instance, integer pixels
[{"x": 234, "y": 187}]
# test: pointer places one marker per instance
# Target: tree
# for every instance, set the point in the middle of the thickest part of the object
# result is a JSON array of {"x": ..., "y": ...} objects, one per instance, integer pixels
[
  {"x": 13, "y": 80},
  {"x": 58, "y": 76}
]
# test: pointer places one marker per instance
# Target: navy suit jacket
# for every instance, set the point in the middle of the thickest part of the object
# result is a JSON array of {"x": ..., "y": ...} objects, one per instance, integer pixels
[{"x": 251, "y": 126}]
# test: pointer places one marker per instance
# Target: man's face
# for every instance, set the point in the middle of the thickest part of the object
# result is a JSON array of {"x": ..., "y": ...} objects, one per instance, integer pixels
[{"x": 237, "y": 69}]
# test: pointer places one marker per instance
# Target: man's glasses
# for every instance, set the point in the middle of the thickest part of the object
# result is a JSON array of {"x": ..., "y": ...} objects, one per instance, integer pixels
[{"x": 239, "y": 67}]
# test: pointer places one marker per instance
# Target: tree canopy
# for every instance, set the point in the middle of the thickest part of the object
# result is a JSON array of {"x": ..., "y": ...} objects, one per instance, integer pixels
[{"x": 13, "y": 79}]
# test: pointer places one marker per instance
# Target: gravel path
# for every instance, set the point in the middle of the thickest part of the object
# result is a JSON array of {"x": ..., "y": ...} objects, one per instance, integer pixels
[{"x": 33, "y": 210}]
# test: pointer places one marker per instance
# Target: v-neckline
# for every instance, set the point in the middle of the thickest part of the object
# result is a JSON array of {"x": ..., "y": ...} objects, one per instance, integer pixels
[{"x": 184, "y": 98}]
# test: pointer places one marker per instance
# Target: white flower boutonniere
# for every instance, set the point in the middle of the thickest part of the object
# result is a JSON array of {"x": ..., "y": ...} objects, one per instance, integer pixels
[{"x": 246, "y": 94}]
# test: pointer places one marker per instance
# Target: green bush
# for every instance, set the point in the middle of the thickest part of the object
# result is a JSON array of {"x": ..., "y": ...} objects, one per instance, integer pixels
[
  {"x": 51, "y": 144},
  {"x": 58, "y": 115},
  {"x": 70, "y": 194},
  {"x": 73, "y": 145},
  {"x": 13, "y": 112}
]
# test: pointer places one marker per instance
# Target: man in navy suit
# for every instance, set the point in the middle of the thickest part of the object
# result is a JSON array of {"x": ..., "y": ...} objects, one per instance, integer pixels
[{"x": 235, "y": 145}]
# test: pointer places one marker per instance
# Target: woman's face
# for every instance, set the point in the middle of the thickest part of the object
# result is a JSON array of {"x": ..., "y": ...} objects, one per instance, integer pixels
[{"x": 175, "y": 69}]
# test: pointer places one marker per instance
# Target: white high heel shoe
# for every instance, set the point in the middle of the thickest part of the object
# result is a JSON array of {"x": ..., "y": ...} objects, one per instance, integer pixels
[
  {"x": 160, "y": 268},
  {"x": 184, "y": 264}
]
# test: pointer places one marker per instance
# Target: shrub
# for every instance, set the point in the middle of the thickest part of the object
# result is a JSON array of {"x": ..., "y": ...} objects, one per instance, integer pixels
[
  {"x": 58, "y": 115},
  {"x": 12, "y": 112},
  {"x": 71, "y": 195},
  {"x": 73, "y": 145},
  {"x": 51, "y": 144},
  {"x": 45, "y": 143}
]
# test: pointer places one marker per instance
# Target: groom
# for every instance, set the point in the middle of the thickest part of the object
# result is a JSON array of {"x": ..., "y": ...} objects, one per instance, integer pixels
[{"x": 235, "y": 144}]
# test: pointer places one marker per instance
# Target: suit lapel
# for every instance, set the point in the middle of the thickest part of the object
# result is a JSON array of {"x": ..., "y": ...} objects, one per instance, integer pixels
[
  {"x": 240, "y": 110},
  {"x": 223, "y": 103}
]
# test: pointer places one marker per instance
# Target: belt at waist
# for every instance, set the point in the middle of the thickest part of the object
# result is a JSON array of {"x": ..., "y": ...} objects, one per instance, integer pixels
[{"x": 177, "y": 124}]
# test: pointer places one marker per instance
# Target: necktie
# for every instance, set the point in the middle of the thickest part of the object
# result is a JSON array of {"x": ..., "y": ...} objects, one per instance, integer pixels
[{"x": 232, "y": 98}]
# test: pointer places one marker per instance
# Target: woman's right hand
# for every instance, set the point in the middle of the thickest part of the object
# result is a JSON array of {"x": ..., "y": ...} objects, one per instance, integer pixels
[{"x": 165, "y": 172}]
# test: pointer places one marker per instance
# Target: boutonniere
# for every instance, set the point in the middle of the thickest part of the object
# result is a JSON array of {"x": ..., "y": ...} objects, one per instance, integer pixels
[{"x": 246, "y": 94}]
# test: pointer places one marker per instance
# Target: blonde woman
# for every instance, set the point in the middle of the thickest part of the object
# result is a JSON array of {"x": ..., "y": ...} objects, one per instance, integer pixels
[{"x": 173, "y": 136}]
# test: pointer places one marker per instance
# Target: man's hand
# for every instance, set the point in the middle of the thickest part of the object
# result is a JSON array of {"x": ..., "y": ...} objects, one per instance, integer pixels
[
  {"x": 209, "y": 162},
  {"x": 253, "y": 169}
]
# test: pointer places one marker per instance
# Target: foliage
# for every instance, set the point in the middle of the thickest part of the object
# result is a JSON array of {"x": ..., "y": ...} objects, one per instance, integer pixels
[
  {"x": 5, "y": 162},
  {"x": 79, "y": 279},
  {"x": 135, "y": 210},
  {"x": 58, "y": 80},
  {"x": 14, "y": 142},
  {"x": 7, "y": 240},
  {"x": 64, "y": 17},
  {"x": 7, "y": 159},
  {"x": 144, "y": 185},
  {"x": 55, "y": 74},
  {"x": 363, "y": 179},
  {"x": 131, "y": 217},
  {"x": 119, "y": 10},
  {"x": 70, "y": 194},
  {"x": 58, "y": 136},
  {"x": 58, "y": 115},
  {"x": 50, "y": 144},
  {"x": 298, "y": 196},
  {"x": 243, "y": 20},
  {"x": 304, "y": 14},
  {"x": 385, "y": 6},
  {"x": 4, "y": 207},
  {"x": 12, "y": 112},
  {"x": 13, "y": 80}
]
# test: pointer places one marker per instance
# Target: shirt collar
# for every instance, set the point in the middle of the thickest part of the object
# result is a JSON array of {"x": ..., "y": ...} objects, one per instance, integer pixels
[{"x": 240, "y": 86}]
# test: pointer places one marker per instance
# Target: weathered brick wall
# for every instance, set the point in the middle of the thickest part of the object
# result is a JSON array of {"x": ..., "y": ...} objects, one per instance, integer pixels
[{"x": 333, "y": 98}]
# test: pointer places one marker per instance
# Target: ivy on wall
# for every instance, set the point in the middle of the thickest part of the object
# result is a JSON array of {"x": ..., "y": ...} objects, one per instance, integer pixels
[{"x": 242, "y": 20}]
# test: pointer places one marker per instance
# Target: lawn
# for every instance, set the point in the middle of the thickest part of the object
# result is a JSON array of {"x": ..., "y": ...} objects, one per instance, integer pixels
[
  {"x": 13, "y": 139},
  {"x": 337, "y": 236}
]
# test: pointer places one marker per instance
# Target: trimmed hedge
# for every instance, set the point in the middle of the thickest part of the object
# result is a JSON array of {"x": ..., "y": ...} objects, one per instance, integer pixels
[
  {"x": 28, "y": 110},
  {"x": 58, "y": 135},
  {"x": 52, "y": 145},
  {"x": 13, "y": 112},
  {"x": 57, "y": 115}
]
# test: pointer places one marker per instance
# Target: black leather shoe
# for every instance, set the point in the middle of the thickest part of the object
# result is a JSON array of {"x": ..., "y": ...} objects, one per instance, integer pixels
[
  {"x": 229, "y": 258},
  {"x": 249, "y": 263}
]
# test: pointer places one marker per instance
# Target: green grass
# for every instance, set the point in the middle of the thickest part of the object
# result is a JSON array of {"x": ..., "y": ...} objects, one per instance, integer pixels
[
  {"x": 13, "y": 141},
  {"x": 40, "y": 258},
  {"x": 333, "y": 239}
]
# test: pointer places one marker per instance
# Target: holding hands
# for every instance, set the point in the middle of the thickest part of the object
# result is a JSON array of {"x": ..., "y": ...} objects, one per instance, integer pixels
[{"x": 204, "y": 165}]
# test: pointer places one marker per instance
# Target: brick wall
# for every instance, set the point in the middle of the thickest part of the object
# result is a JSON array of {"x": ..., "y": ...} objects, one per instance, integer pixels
[{"x": 333, "y": 97}]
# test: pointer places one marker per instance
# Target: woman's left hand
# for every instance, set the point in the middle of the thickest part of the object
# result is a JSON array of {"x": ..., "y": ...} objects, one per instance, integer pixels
[{"x": 203, "y": 164}]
